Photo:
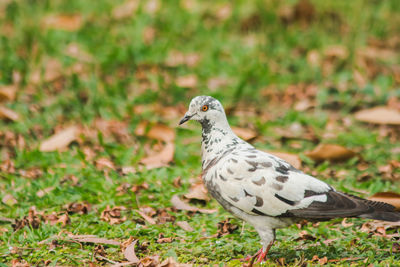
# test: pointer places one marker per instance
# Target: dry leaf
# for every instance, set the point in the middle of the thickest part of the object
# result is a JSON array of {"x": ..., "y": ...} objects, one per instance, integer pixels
[
  {"x": 32, "y": 220},
  {"x": 178, "y": 204},
  {"x": 147, "y": 218},
  {"x": 161, "y": 132},
  {"x": 379, "y": 115},
  {"x": 313, "y": 58},
  {"x": 226, "y": 227},
  {"x": 330, "y": 152},
  {"x": 245, "y": 133},
  {"x": 346, "y": 224},
  {"x": 63, "y": 22},
  {"x": 54, "y": 218},
  {"x": 161, "y": 239},
  {"x": 125, "y": 10},
  {"x": 113, "y": 215},
  {"x": 130, "y": 254},
  {"x": 185, "y": 226},
  {"x": 93, "y": 239},
  {"x": 224, "y": 12},
  {"x": 152, "y": 6},
  {"x": 170, "y": 262},
  {"x": 176, "y": 58},
  {"x": 8, "y": 114},
  {"x": 160, "y": 159},
  {"x": 188, "y": 81},
  {"x": 198, "y": 191},
  {"x": 387, "y": 197},
  {"x": 215, "y": 83},
  {"x": 9, "y": 200},
  {"x": 379, "y": 226},
  {"x": 60, "y": 140},
  {"x": 75, "y": 51},
  {"x": 104, "y": 164},
  {"x": 80, "y": 208},
  {"x": 148, "y": 35},
  {"x": 43, "y": 192},
  {"x": 7, "y": 93},
  {"x": 293, "y": 159},
  {"x": 336, "y": 51}
]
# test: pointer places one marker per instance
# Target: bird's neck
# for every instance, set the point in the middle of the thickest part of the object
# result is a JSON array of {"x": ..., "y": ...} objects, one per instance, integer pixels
[{"x": 217, "y": 139}]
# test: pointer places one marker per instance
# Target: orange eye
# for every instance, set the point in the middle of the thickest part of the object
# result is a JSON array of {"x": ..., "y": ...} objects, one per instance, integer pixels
[{"x": 204, "y": 108}]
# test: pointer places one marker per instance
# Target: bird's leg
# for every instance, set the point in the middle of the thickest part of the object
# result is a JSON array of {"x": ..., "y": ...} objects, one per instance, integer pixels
[{"x": 263, "y": 252}]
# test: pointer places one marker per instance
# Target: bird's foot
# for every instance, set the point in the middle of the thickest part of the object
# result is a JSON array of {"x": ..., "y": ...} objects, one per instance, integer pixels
[{"x": 262, "y": 255}]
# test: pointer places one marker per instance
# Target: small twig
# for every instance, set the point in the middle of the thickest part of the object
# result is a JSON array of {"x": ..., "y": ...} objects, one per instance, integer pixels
[
  {"x": 4, "y": 219},
  {"x": 105, "y": 259},
  {"x": 241, "y": 232}
]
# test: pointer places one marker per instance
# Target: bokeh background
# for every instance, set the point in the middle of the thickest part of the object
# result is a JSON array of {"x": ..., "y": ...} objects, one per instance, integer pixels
[{"x": 91, "y": 93}]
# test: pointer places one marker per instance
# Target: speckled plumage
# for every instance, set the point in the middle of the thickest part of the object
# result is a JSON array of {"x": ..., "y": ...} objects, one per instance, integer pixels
[{"x": 262, "y": 189}]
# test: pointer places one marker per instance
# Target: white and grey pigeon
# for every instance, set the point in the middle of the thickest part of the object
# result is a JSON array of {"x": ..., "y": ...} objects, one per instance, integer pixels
[{"x": 262, "y": 189}]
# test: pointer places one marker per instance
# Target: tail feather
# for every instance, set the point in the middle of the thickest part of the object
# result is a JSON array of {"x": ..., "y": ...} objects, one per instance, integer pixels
[{"x": 390, "y": 216}]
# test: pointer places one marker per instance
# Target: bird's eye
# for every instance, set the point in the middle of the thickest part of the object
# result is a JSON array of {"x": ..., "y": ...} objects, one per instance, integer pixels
[{"x": 204, "y": 108}]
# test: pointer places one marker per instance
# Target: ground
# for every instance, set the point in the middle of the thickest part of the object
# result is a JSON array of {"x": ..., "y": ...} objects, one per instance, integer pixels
[{"x": 291, "y": 73}]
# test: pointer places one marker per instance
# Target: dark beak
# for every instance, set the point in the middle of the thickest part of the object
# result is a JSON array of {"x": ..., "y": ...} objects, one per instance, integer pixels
[{"x": 185, "y": 119}]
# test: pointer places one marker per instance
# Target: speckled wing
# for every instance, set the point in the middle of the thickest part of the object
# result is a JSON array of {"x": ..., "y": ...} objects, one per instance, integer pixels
[{"x": 262, "y": 184}]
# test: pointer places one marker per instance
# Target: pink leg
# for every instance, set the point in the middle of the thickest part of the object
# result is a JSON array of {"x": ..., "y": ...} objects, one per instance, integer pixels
[{"x": 261, "y": 255}]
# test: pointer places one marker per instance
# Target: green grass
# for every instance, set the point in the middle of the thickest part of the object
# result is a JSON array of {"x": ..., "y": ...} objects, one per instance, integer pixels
[{"x": 254, "y": 50}]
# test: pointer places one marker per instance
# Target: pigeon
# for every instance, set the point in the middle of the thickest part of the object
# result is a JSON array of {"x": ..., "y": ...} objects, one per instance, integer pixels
[{"x": 264, "y": 190}]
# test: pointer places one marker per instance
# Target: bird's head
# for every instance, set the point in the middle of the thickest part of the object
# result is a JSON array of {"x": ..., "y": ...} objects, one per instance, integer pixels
[{"x": 206, "y": 110}]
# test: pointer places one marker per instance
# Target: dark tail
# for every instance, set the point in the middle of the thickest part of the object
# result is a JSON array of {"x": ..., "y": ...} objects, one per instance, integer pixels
[
  {"x": 380, "y": 211},
  {"x": 390, "y": 216}
]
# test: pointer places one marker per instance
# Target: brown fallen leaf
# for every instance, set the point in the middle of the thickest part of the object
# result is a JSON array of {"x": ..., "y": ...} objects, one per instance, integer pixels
[
  {"x": 19, "y": 263},
  {"x": 387, "y": 197},
  {"x": 178, "y": 204},
  {"x": 330, "y": 152},
  {"x": 43, "y": 192},
  {"x": 293, "y": 159},
  {"x": 8, "y": 114},
  {"x": 125, "y": 10},
  {"x": 197, "y": 191},
  {"x": 161, "y": 159},
  {"x": 161, "y": 239},
  {"x": 82, "y": 239},
  {"x": 188, "y": 81},
  {"x": 170, "y": 262},
  {"x": 74, "y": 50},
  {"x": 176, "y": 58},
  {"x": 55, "y": 218},
  {"x": 150, "y": 261},
  {"x": 7, "y": 93},
  {"x": 63, "y": 22},
  {"x": 304, "y": 235},
  {"x": 346, "y": 224},
  {"x": 185, "y": 226},
  {"x": 146, "y": 217},
  {"x": 380, "y": 227},
  {"x": 161, "y": 132},
  {"x": 336, "y": 51},
  {"x": 226, "y": 227},
  {"x": 379, "y": 115},
  {"x": 78, "y": 207},
  {"x": 9, "y": 200},
  {"x": 245, "y": 133},
  {"x": 130, "y": 254},
  {"x": 31, "y": 220},
  {"x": 60, "y": 140},
  {"x": 113, "y": 215}
]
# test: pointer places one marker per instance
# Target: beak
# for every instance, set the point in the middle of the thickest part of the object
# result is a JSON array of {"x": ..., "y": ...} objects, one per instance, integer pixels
[{"x": 185, "y": 119}]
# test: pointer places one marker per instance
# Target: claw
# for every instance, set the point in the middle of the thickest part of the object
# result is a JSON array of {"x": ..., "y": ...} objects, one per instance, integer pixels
[{"x": 262, "y": 255}]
